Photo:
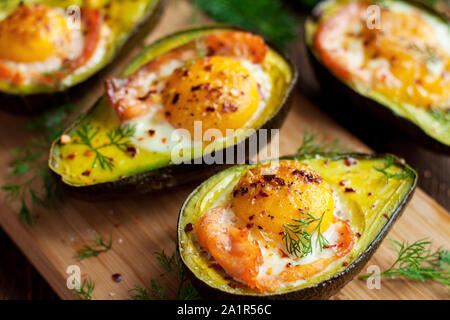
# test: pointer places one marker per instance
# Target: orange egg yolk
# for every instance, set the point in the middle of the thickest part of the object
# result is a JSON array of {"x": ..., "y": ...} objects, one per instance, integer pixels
[
  {"x": 410, "y": 45},
  {"x": 33, "y": 33},
  {"x": 218, "y": 91},
  {"x": 269, "y": 197}
]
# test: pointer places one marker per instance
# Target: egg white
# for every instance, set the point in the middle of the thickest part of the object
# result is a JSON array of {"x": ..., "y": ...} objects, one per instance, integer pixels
[
  {"x": 167, "y": 138},
  {"x": 271, "y": 251}
]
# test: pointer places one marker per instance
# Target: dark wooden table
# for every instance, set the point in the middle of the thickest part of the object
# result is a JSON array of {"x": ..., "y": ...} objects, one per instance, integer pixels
[{"x": 20, "y": 280}]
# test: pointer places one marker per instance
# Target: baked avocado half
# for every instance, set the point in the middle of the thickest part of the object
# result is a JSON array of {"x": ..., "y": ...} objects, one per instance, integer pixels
[
  {"x": 296, "y": 228},
  {"x": 142, "y": 135},
  {"x": 48, "y": 47},
  {"x": 390, "y": 60}
]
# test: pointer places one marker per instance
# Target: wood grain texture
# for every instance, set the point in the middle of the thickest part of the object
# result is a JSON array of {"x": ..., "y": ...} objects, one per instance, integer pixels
[{"x": 145, "y": 224}]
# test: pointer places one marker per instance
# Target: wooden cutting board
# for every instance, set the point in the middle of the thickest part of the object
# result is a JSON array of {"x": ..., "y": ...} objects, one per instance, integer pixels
[{"x": 145, "y": 224}]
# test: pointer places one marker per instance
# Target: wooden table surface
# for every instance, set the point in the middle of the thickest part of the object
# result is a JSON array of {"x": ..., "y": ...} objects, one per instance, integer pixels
[{"x": 20, "y": 280}]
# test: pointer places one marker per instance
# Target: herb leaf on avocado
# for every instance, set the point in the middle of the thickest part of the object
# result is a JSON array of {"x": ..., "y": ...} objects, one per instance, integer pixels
[
  {"x": 170, "y": 265},
  {"x": 418, "y": 261},
  {"x": 298, "y": 241},
  {"x": 102, "y": 246},
  {"x": 118, "y": 137},
  {"x": 404, "y": 173},
  {"x": 267, "y": 17},
  {"x": 29, "y": 173}
]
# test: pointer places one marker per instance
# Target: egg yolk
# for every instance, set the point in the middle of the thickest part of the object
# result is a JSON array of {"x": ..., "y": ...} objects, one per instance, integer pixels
[
  {"x": 33, "y": 33},
  {"x": 270, "y": 197},
  {"x": 218, "y": 91},
  {"x": 417, "y": 61}
]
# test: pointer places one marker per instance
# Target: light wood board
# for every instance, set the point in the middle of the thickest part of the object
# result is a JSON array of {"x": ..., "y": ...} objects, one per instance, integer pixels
[{"x": 145, "y": 224}]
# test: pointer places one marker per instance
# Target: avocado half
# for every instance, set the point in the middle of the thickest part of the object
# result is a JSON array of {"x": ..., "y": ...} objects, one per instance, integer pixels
[
  {"x": 375, "y": 206},
  {"x": 426, "y": 127},
  {"x": 129, "y": 20},
  {"x": 144, "y": 171}
]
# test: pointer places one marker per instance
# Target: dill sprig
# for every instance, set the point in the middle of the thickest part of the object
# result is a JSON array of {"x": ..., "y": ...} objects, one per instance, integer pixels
[
  {"x": 85, "y": 291},
  {"x": 118, "y": 137},
  {"x": 313, "y": 143},
  {"x": 404, "y": 173},
  {"x": 171, "y": 265},
  {"x": 267, "y": 17},
  {"x": 418, "y": 261},
  {"x": 298, "y": 241},
  {"x": 101, "y": 246},
  {"x": 30, "y": 181}
]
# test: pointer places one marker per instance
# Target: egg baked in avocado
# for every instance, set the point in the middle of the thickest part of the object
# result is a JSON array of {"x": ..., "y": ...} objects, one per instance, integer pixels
[
  {"x": 47, "y": 47},
  {"x": 300, "y": 227},
  {"x": 390, "y": 59},
  {"x": 191, "y": 95}
]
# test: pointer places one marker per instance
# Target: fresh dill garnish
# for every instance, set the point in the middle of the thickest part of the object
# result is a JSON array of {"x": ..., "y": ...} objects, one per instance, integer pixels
[
  {"x": 29, "y": 171},
  {"x": 418, "y": 261},
  {"x": 267, "y": 17},
  {"x": 441, "y": 115},
  {"x": 170, "y": 265},
  {"x": 404, "y": 173},
  {"x": 101, "y": 246},
  {"x": 312, "y": 143},
  {"x": 85, "y": 291},
  {"x": 118, "y": 137},
  {"x": 298, "y": 241},
  {"x": 156, "y": 292}
]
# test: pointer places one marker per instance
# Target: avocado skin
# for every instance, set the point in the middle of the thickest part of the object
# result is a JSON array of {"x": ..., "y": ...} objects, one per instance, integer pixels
[
  {"x": 325, "y": 289},
  {"x": 32, "y": 104},
  {"x": 362, "y": 106},
  {"x": 173, "y": 175}
]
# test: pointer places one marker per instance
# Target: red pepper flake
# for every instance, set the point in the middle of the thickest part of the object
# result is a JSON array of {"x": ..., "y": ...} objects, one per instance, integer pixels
[
  {"x": 208, "y": 67},
  {"x": 210, "y": 109},
  {"x": 86, "y": 173},
  {"x": 343, "y": 182},
  {"x": 263, "y": 194},
  {"x": 288, "y": 265},
  {"x": 229, "y": 106},
  {"x": 71, "y": 156},
  {"x": 195, "y": 88},
  {"x": 283, "y": 254},
  {"x": 349, "y": 161},
  {"x": 369, "y": 194},
  {"x": 151, "y": 132},
  {"x": 251, "y": 217},
  {"x": 329, "y": 246},
  {"x": 358, "y": 235},
  {"x": 350, "y": 190},
  {"x": 117, "y": 277},
  {"x": 249, "y": 225},
  {"x": 260, "y": 228},
  {"x": 269, "y": 177},
  {"x": 296, "y": 172},
  {"x": 216, "y": 267},
  {"x": 176, "y": 97},
  {"x": 167, "y": 113},
  {"x": 386, "y": 216},
  {"x": 132, "y": 151},
  {"x": 189, "y": 227},
  {"x": 345, "y": 263}
]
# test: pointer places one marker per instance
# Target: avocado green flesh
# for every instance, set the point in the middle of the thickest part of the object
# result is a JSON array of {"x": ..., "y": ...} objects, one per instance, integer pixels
[
  {"x": 367, "y": 212},
  {"x": 434, "y": 124},
  {"x": 70, "y": 161},
  {"x": 120, "y": 16}
]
